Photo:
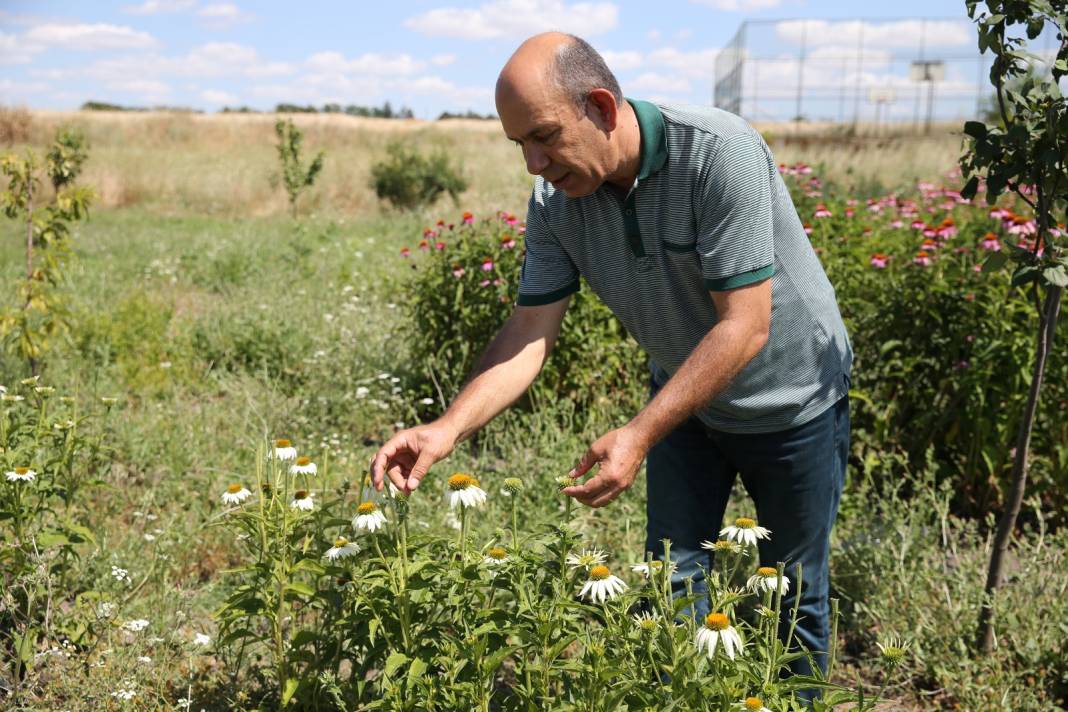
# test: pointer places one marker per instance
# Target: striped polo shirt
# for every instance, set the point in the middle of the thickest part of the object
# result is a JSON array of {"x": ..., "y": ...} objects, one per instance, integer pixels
[{"x": 708, "y": 212}]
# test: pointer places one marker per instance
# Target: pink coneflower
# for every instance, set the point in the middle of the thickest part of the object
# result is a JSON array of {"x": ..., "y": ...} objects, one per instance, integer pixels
[
  {"x": 874, "y": 207},
  {"x": 405, "y": 252},
  {"x": 929, "y": 232},
  {"x": 458, "y": 271},
  {"x": 484, "y": 283},
  {"x": 929, "y": 246},
  {"x": 879, "y": 260},
  {"x": 424, "y": 245},
  {"x": 440, "y": 223},
  {"x": 1021, "y": 225},
  {"x": 487, "y": 264},
  {"x": 947, "y": 229},
  {"x": 429, "y": 233},
  {"x": 439, "y": 245},
  {"x": 962, "y": 365},
  {"x": 922, "y": 259},
  {"x": 468, "y": 218},
  {"x": 990, "y": 242},
  {"x": 511, "y": 220},
  {"x": 919, "y": 225},
  {"x": 849, "y": 212},
  {"x": 822, "y": 211},
  {"x": 507, "y": 242},
  {"x": 808, "y": 228},
  {"x": 1000, "y": 213},
  {"x": 897, "y": 224}
]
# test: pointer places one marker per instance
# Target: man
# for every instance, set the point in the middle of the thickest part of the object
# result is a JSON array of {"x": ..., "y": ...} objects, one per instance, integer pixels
[{"x": 678, "y": 219}]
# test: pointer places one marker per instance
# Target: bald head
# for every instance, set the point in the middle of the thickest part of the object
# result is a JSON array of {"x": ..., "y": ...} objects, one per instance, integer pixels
[{"x": 554, "y": 66}]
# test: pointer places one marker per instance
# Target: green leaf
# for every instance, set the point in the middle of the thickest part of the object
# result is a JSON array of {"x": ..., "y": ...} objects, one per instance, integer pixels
[
  {"x": 971, "y": 187},
  {"x": 977, "y": 130},
  {"x": 301, "y": 588},
  {"x": 310, "y": 565},
  {"x": 24, "y": 645},
  {"x": 48, "y": 539},
  {"x": 1056, "y": 276},
  {"x": 394, "y": 661},
  {"x": 995, "y": 261},
  {"x": 289, "y": 689},
  {"x": 1024, "y": 275},
  {"x": 416, "y": 670}
]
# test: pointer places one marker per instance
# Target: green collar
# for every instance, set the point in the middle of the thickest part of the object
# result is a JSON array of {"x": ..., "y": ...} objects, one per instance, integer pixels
[{"x": 653, "y": 137}]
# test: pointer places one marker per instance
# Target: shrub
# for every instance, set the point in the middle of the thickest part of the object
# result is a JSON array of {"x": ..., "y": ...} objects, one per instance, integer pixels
[
  {"x": 464, "y": 290},
  {"x": 408, "y": 179}
]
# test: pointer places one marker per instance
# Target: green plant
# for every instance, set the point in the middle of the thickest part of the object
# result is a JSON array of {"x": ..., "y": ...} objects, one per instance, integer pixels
[
  {"x": 464, "y": 290},
  {"x": 295, "y": 176},
  {"x": 409, "y": 179},
  {"x": 1024, "y": 154},
  {"x": 42, "y": 316}
]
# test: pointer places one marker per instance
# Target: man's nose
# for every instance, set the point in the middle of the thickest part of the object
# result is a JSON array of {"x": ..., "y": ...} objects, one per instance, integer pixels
[{"x": 536, "y": 159}]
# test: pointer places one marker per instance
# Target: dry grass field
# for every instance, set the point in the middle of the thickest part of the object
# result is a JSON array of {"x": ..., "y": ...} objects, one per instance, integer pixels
[{"x": 223, "y": 164}]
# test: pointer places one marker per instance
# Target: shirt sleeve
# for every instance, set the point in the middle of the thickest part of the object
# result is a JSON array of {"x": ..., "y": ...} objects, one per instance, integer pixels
[
  {"x": 548, "y": 273},
  {"x": 734, "y": 221}
]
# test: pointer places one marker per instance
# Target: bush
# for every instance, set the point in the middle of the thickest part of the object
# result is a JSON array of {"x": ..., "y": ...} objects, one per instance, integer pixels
[
  {"x": 463, "y": 292},
  {"x": 408, "y": 179}
]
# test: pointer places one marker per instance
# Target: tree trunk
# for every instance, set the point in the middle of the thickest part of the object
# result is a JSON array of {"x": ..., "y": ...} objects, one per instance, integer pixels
[{"x": 1007, "y": 523}]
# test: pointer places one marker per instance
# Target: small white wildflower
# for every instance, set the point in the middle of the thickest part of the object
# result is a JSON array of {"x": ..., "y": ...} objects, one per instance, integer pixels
[
  {"x": 202, "y": 639},
  {"x": 20, "y": 474},
  {"x": 120, "y": 574},
  {"x": 136, "y": 625}
]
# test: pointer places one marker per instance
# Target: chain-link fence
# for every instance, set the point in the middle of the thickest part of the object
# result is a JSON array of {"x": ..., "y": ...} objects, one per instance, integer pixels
[{"x": 857, "y": 71}]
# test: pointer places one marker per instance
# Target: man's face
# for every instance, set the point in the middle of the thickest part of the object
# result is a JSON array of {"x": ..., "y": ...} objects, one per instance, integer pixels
[{"x": 560, "y": 142}]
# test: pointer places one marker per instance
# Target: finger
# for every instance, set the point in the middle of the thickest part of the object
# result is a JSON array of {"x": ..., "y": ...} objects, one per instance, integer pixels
[
  {"x": 398, "y": 475},
  {"x": 589, "y": 459},
  {"x": 589, "y": 489},
  {"x": 387, "y": 453},
  {"x": 607, "y": 496},
  {"x": 419, "y": 470}
]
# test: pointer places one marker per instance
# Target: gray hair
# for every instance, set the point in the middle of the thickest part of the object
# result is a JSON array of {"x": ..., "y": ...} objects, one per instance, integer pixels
[{"x": 578, "y": 69}]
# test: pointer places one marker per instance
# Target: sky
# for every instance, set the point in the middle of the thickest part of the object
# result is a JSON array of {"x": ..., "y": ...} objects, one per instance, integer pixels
[{"x": 444, "y": 55}]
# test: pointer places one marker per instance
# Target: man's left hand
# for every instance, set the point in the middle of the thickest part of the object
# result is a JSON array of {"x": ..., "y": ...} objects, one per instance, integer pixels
[{"x": 619, "y": 454}]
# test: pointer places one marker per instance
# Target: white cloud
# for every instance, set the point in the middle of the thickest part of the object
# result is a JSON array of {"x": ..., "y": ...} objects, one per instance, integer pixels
[
  {"x": 89, "y": 36},
  {"x": 900, "y": 34},
  {"x": 11, "y": 89},
  {"x": 622, "y": 61},
  {"x": 214, "y": 59},
  {"x": 14, "y": 52},
  {"x": 654, "y": 35},
  {"x": 214, "y": 96},
  {"x": 442, "y": 60},
  {"x": 370, "y": 63},
  {"x": 156, "y": 7},
  {"x": 739, "y": 5},
  {"x": 517, "y": 19},
  {"x": 697, "y": 64},
  {"x": 221, "y": 15},
  {"x": 651, "y": 81}
]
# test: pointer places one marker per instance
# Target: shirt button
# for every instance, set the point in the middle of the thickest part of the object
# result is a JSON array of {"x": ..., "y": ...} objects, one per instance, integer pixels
[{"x": 630, "y": 211}]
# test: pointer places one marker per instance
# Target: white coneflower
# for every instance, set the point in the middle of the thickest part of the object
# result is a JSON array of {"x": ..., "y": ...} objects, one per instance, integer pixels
[
  {"x": 235, "y": 494},
  {"x": 495, "y": 556},
  {"x": 464, "y": 489},
  {"x": 512, "y": 485},
  {"x": 718, "y": 628},
  {"x": 725, "y": 546},
  {"x": 585, "y": 559},
  {"x": 20, "y": 474},
  {"x": 284, "y": 450},
  {"x": 11, "y": 398},
  {"x": 745, "y": 531},
  {"x": 648, "y": 569},
  {"x": 647, "y": 621},
  {"x": 893, "y": 650},
  {"x": 767, "y": 578},
  {"x": 368, "y": 517},
  {"x": 753, "y": 704},
  {"x": 44, "y": 390},
  {"x": 109, "y": 400},
  {"x": 302, "y": 499},
  {"x": 136, "y": 625},
  {"x": 602, "y": 585},
  {"x": 303, "y": 466},
  {"x": 342, "y": 547}
]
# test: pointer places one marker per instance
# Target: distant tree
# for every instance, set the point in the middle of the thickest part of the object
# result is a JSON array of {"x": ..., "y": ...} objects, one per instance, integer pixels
[{"x": 295, "y": 176}]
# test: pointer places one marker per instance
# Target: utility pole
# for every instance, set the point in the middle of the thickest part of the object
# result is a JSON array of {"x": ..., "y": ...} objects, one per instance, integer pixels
[{"x": 929, "y": 71}]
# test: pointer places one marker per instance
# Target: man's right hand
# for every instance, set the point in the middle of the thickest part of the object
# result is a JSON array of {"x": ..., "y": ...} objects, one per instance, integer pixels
[{"x": 407, "y": 456}]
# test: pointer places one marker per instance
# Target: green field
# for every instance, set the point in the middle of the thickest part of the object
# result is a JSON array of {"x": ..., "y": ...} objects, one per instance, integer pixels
[{"x": 221, "y": 323}]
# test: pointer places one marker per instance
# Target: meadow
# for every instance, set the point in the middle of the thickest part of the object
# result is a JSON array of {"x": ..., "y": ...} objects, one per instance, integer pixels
[{"x": 207, "y": 324}]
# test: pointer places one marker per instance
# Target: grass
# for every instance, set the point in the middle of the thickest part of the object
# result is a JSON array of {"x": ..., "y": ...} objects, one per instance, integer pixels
[{"x": 220, "y": 322}]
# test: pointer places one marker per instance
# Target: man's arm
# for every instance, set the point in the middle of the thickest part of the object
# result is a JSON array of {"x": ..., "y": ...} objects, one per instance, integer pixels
[
  {"x": 739, "y": 334},
  {"x": 507, "y": 368}
]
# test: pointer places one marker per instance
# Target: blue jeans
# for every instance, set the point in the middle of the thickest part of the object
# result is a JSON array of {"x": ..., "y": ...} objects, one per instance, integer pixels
[{"x": 795, "y": 478}]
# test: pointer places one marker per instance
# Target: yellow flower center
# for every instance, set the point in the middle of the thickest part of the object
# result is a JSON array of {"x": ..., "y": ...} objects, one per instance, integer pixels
[
  {"x": 461, "y": 481},
  {"x": 744, "y": 523},
  {"x": 655, "y": 565},
  {"x": 282, "y": 443},
  {"x": 340, "y": 542},
  {"x": 300, "y": 494},
  {"x": 365, "y": 508},
  {"x": 599, "y": 572},
  {"x": 767, "y": 572},
  {"x": 753, "y": 703},
  {"x": 725, "y": 545},
  {"x": 234, "y": 489},
  {"x": 497, "y": 553},
  {"x": 21, "y": 470},
  {"x": 302, "y": 461},
  {"x": 717, "y": 621}
]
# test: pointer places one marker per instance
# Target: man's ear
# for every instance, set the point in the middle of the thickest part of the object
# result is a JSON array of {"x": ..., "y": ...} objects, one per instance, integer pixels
[{"x": 602, "y": 109}]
